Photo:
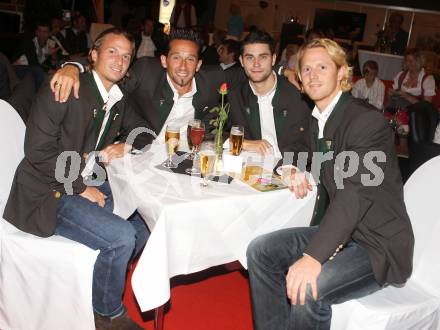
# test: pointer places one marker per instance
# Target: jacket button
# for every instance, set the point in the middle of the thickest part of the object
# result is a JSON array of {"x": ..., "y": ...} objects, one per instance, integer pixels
[
  {"x": 317, "y": 197},
  {"x": 301, "y": 129}
]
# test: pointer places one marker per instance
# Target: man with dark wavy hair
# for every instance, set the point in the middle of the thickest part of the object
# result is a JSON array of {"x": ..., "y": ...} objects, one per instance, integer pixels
[{"x": 271, "y": 110}]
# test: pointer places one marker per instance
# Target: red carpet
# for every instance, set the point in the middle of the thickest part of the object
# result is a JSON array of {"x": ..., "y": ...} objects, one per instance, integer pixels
[{"x": 215, "y": 299}]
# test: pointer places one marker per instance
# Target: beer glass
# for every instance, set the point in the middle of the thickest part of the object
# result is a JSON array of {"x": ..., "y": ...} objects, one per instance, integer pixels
[
  {"x": 236, "y": 140},
  {"x": 196, "y": 136},
  {"x": 207, "y": 161},
  {"x": 172, "y": 136}
]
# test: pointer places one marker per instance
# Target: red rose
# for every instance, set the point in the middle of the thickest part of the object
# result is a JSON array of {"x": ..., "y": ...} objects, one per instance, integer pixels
[
  {"x": 223, "y": 89},
  {"x": 402, "y": 118}
]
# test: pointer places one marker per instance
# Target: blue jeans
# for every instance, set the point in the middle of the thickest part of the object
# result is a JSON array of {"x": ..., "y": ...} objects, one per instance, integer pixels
[
  {"x": 117, "y": 239},
  {"x": 348, "y": 276}
]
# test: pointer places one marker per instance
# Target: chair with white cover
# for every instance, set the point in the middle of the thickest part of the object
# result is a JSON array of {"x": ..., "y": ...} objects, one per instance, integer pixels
[
  {"x": 45, "y": 283},
  {"x": 416, "y": 306}
]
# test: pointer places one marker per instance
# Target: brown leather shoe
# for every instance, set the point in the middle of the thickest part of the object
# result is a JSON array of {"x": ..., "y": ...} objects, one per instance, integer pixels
[{"x": 122, "y": 322}]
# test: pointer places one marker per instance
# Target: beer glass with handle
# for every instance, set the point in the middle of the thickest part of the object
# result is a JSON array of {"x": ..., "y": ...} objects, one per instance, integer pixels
[
  {"x": 207, "y": 161},
  {"x": 172, "y": 136},
  {"x": 236, "y": 140}
]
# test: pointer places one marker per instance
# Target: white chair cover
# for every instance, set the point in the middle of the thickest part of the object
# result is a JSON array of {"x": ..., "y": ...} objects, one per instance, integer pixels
[
  {"x": 45, "y": 283},
  {"x": 416, "y": 306}
]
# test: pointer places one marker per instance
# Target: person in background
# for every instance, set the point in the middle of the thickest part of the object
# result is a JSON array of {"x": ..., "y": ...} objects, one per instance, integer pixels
[
  {"x": 288, "y": 56},
  {"x": 370, "y": 87},
  {"x": 56, "y": 26},
  {"x": 76, "y": 38},
  {"x": 313, "y": 34},
  {"x": 413, "y": 84},
  {"x": 184, "y": 15},
  {"x": 208, "y": 51},
  {"x": 149, "y": 42},
  {"x": 395, "y": 35},
  {"x": 229, "y": 52},
  {"x": 37, "y": 51},
  {"x": 235, "y": 22}
]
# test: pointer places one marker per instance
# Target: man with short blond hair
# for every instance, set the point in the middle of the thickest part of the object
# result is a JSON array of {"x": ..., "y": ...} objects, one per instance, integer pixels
[{"x": 360, "y": 238}]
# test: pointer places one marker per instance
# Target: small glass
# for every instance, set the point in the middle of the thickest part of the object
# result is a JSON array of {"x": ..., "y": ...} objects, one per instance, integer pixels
[
  {"x": 196, "y": 136},
  {"x": 236, "y": 138},
  {"x": 207, "y": 161},
  {"x": 192, "y": 122},
  {"x": 172, "y": 137}
]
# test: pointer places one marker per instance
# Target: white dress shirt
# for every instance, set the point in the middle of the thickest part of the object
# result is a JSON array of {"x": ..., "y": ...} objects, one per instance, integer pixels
[
  {"x": 324, "y": 115},
  {"x": 181, "y": 113},
  {"x": 146, "y": 48},
  {"x": 42, "y": 53},
  {"x": 374, "y": 94},
  {"x": 267, "y": 122},
  {"x": 110, "y": 98},
  {"x": 428, "y": 84},
  {"x": 437, "y": 135}
]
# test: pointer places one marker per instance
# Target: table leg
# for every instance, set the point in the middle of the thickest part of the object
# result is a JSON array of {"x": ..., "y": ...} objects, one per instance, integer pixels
[{"x": 158, "y": 317}]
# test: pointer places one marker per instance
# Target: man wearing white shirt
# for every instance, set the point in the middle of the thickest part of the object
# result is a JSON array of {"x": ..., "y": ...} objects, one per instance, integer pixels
[
  {"x": 271, "y": 110},
  {"x": 370, "y": 88},
  {"x": 360, "y": 239},
  {"x": 228, "y": 54},
  {"x": 82, "y": 209},
  {"x": 145, "y": 45}
]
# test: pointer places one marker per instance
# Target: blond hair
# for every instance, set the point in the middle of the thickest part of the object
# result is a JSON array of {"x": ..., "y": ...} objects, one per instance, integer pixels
[{"x": 336, "y": 53}]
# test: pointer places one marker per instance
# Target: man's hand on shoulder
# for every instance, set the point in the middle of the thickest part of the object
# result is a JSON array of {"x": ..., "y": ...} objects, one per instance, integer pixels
[
  {"x": 94, "y": 195},
  {"x": 261, "y": 146},
  {"x": 303, "y": 272},
  {"x": 62, "y": 82},
  {"x": 113, "y": 151}
]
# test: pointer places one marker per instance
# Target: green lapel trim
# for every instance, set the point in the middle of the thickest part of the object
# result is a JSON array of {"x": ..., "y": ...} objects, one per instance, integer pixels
[
  {"x": 98, "y": 114},
  {"x": 252, "y": 112},
  {"x": 196, "y": 101},
  {"x": 279, "y": 114},
  {"x": 335, "y": 117},
  {"x": 93, "y": 87},
  {"x": 109, "y": 122},
  {"x": 254, "y": 117},
  {"x": 165, "y": 104}
]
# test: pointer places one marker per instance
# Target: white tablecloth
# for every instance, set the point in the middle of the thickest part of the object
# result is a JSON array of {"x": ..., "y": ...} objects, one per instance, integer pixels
[
  {"x": 194, "y": 228},
  {"x": 389, "y": 65}
]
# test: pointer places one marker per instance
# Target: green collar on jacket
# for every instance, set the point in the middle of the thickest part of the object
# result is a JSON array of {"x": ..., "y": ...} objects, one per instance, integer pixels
[
  {"x": 166, "y": 103},
  {"x": 279, "y": 105}
]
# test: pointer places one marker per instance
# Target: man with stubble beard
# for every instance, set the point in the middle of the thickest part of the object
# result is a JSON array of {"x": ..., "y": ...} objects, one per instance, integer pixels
[{"x": 271, "y": 110}]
